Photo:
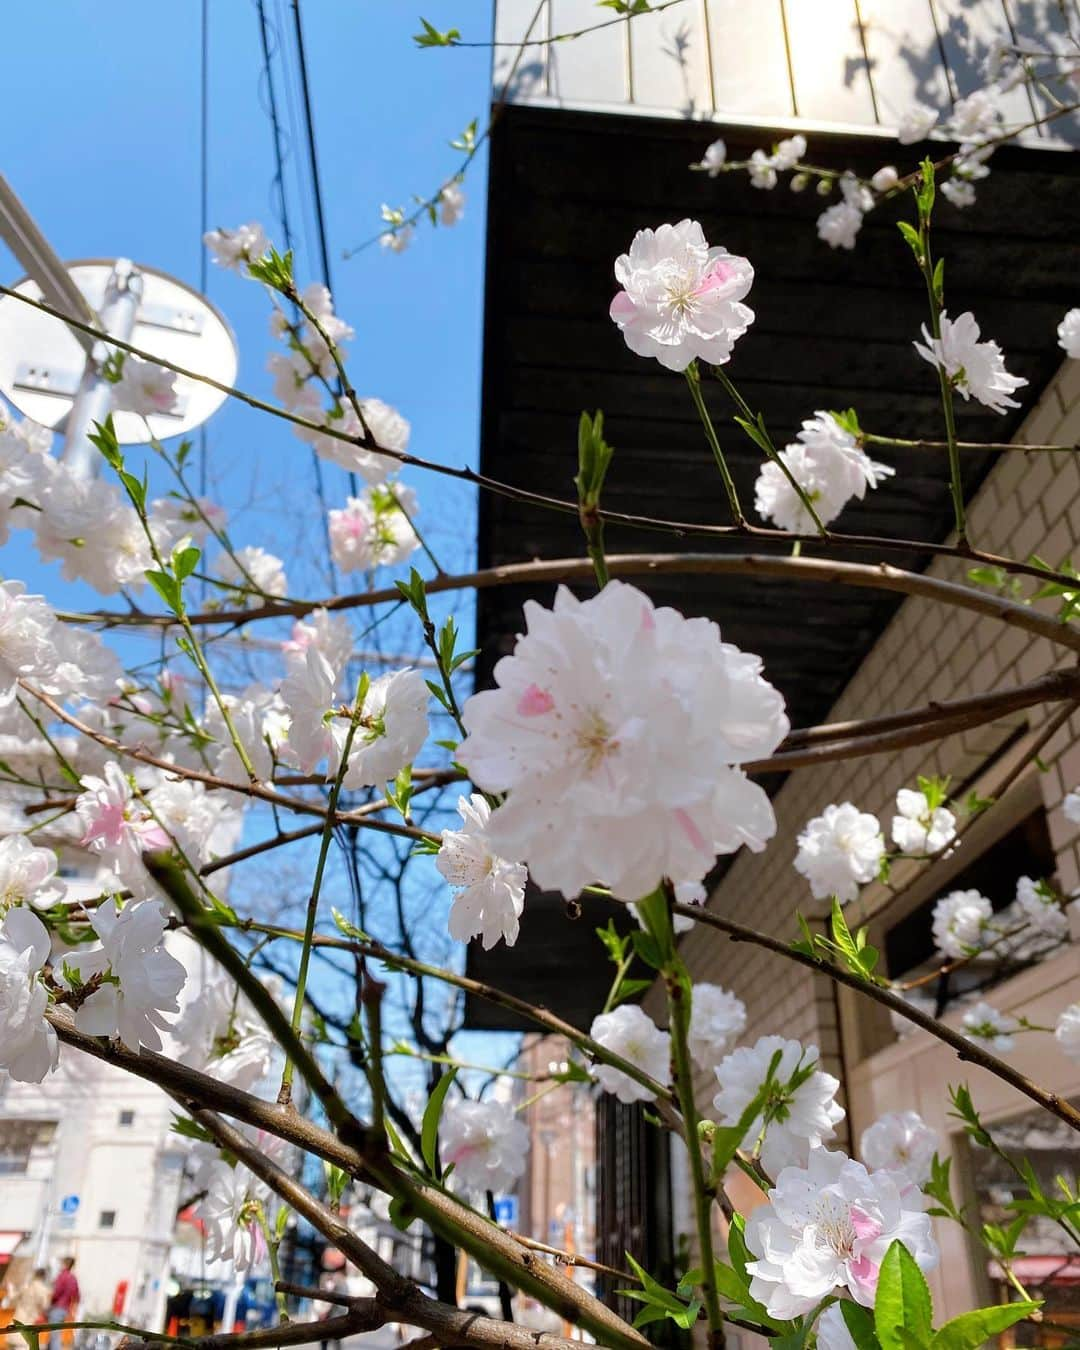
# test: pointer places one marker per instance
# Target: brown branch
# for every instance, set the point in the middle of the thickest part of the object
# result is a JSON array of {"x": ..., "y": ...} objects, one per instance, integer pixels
[
  {"x": 875, "y": 576},
  {"x": 363, "y": 1315},
  {"x": 965, "y": 1049}
]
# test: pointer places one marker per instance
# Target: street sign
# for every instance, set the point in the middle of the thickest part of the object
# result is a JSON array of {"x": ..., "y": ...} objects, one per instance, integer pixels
[
  {"x": 69, "y": 1204},
  {"x": 506, "y": 1211}
]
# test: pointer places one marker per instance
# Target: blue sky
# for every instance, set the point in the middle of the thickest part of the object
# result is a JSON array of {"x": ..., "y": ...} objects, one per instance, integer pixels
[{"x": 106, "y": 157}]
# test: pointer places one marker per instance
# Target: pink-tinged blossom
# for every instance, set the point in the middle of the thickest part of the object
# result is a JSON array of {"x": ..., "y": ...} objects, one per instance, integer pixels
[
  {"x": 330, "y": 634},
  {"x": 451, "y": 203},
  {"x": 900, "y": 1141},
  {"x": 27, "y": 874},
  {"x": 961, "y": 923},
  {"x": 144, "y": 388},
  {"x": 386, "y": 426},
  {"x": 802, "y": 1109},
  {"x": 174, "y": 518},
  {"x": 118, "y": 827},
  {"x": 616, "y": 731},
  {"x": 717, "y": 1020},
  {"x": 490, "y": 891},
  {"x": 827, "y": 1226},
  {"x": 918, "y": 829},
  {"x": 397, "y": 241},
  {"x": 1068, "y": 332},
  {"x": 229, "y": 1209},
  {"x": 681, "y": 300},
  {"x": 234, "y": 249},
  {"x": 140, "y": 980},
  {"x": 486, "y": 1143},
  {"x": 976, "y": 369},
  {"x": 28, "y": 1046},
  {"x": 981, "y": 1022},
  {"x": 839, "y": 851},
  {"x": 629, "y": 1032},
  {"x": 374, "y": 530}
]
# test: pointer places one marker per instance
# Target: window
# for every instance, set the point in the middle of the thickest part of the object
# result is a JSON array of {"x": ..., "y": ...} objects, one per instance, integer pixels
[
  {"x": 107, "y": 1218},
  {"x": 18, "y": 1138},
  {"x": 127, "y": 1117}
]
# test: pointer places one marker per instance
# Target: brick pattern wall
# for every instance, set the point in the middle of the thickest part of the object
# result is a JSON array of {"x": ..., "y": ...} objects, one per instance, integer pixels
[{"x": 1029, "y": 503}]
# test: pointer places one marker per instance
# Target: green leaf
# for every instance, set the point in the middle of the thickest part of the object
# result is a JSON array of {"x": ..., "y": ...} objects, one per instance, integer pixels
[
  {"x": 647, "y": 948},
  {"x": 903, "y": 1312},
  {"x": 939, "y": 280},
  {"x": 167, "y": 587},
  {"x": 753, "y": 430},
  {"x": 613, "y": 943},
  {"x": 429, "y": 1129},
  {"x": 628, "y": 989},
  {"x": 911, "y": 234},
  {"x": 860, "y": 1324},
  {"x": 282, "y": 1220},
  {"x": 973, "y": 1329},
  {"x": 348, "y": 929},
  {"x": 104, "y": 437},
  {"x": 594, "y": 459},
  {"x": 402, "y": 1213},
  {"x": 431, "y": 37},
  {"x": 184, "y": 561}
]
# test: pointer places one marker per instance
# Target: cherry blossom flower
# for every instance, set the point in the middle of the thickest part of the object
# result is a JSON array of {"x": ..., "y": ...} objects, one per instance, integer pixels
[
  {"x": 839, "y": 224},
  {"x": 490, "y": 890},
  {"x": 174, "y": 518},
  {"x": 144, "y": 387},
  {"x": 374, "y": 530},
  {"x": 975, "y": 117},
  {"x": 631, "y": 1033},
  {"x": 762, "y": 170},
  {"x": 614, "y": 730},
  {"x": 1068, "y": 332},
  {"x": 486, "y": 1143},
  {"x": 885, "y": 178},
  {"x": 1039, "y": 905},
  {"x": 918, "y": 829},
  {"x": 118, "y": 827},
  {"x": 291, "y": 372},
  {"x": 28, "y": 1047},
  {"x": 984, "y": 1023},
  {"x": 802, "y": 1109},
  {"x": 386, "y": 425},
  {"x": 397, "y": 241},
  {"x": 218, "y": 1032},
  {"x": 839, "y": 851},
  {"x": 916, "y": 124},
  {"x": 261, "y": 722},
  {"x": 916, "y": 1000},
  {"x": 1067, "y": 1031},
  {"x": 234, "y": 249},
  {"x": 140, "y": 980},
  {"x": 681, "y": 299},
  {"x": 976, "y": 369},
  {"x": 960, "y": 192},
  {"x": 828, "y": 1225},
  {"x": 788, "y": 152},
  {"x": 714, "y": 158},
  {"x": 26, "y": 625},
  {"x": 93, "y": 532},
  {"x": 962, "y": 923},
  {"x": 391, "y": 728},
  {"x": 27, "y": 874},
  {"x": 230, "y": 1211},
  {"x": 900, "y": 1141},
  {"x": 717, "y": 1020},
  {"x": 254, "y": 573},
  {"x": 828, "y": 464},
  {"x": 451, "y": 203},
  {"x": 317, "y": 298},
  {"x": 330, "y": 634}
]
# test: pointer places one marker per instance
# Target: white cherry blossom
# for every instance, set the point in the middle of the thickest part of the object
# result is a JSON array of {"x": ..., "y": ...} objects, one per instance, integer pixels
[
  {"x": 839, "y": 851},
  {"x": 27, "y": 874},
  {"x": 717, "y": 1020},
  {"x": 959, "y": 191},
  {"x": 1068, "y": 332},
  {"x": 802, "y": 1107},
  {"x": 397, "y": 241},
  {"x": 1039, "y": 905},
  {"x": 885, "y": 178},
  {"x": 900, "y": 1141},
  {"x": 330, "y": 634},
  {"x": 916, "y": 124},
  {"x": 234, "y": 249},
  {"x": 919, "y": 830},
  {"x": 828, "y": 1226},
  {"x": 486, "y": 1143},
  {"x": 681, "y": 300},
  {"x": 229, "y": 1210},
  {"x": 614, "y": 730},
  {"x": 832, "y": 1332},
  {"x": 218, "y": 1032},
  {"x": 374, "y": 530},
  {"x": 976, "y": 368},
  {"x": 490, "y": 891},
  {"x": 985, "y": 1023},
  {"x": 451, "y": 204},
  {"x": 629, "y": 1032},
  {"x": 789, "y": 152},
  {"x": 1067, "y": 1031},
  {"x": 714, "y": 158},
  {"x": 961, "y": 923},
  {"x": 261, "y": 722},
  {"x": 762, "y": 170},
  {"x": 28, "y": 1046},
  {"x": 254, "y": 573},
  {"x": 839, "y": 225}
]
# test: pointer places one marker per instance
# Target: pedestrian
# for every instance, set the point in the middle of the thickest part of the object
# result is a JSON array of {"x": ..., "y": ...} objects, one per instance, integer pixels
[
  {"x": 30, "y": 1305},
  {"x": 64, "y": 1300}
]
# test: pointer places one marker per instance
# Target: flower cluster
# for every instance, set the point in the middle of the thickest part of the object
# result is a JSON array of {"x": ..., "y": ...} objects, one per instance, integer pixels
[
  {"x": 485, "y": 1142},
  {"x": 828, "y": 464},
  {"x": 490, "y": 891},
  {"x": 629, "y": 1032},
  {"x": 374, "y": 529},
  {"x": 616, "y": 731},
  {"x": 839, "y": 851}
]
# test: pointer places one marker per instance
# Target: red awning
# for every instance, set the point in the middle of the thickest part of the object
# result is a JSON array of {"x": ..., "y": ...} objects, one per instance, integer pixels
[
  {"x": 9, "y": 1240},
  {"x": 1041, "y": 1269}
]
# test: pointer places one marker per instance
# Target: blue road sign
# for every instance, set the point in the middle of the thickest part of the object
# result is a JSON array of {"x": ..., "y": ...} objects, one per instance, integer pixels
[
  {"x": 69, "y": 1204},
  {"x": 506, "y": 1210}
]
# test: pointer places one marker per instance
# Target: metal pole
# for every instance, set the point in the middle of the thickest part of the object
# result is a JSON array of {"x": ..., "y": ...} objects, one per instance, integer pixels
[
  {"x": 33, "y": 250},
  {"x": 122, "y": 295}
]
